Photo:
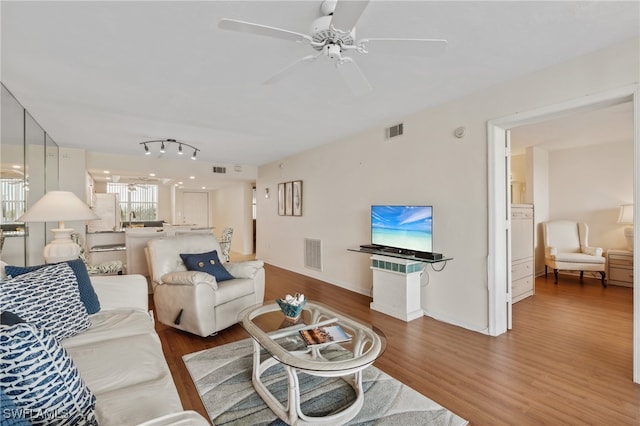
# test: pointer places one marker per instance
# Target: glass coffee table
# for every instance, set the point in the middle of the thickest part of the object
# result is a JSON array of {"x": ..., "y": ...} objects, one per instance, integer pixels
[{"x": 282, "y": 341}]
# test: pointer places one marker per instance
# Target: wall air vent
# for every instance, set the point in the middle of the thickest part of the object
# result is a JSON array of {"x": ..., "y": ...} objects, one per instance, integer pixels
[
  {"x": 313, "y": 254},
  {"x": 394, "y": 131},
  {"x": 219, "y": 169}
]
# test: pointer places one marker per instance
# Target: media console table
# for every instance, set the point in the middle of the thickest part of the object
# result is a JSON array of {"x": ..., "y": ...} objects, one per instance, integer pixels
[{"x": 396, "y": 282}]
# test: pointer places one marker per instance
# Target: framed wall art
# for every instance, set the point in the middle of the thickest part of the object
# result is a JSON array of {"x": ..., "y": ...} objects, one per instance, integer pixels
[
  {"x": 297, "y": 198},
  {"x": 281, "y": 209},
  {"x": 288, "y": 199}
]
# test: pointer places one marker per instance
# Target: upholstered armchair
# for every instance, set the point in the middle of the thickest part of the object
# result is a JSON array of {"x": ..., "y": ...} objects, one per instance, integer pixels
[
  {"x": 194, "y": 300},
  {"x": 566, "y": 247}
]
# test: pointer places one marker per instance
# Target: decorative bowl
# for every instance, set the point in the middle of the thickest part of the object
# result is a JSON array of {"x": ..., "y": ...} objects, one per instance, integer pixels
[{"x": 291, "y": 312}]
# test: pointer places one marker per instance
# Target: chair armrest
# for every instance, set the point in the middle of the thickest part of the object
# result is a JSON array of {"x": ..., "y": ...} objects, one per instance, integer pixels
[
  {"x": 191, "y": 278},
  {"x": 246, "y": 269},
  {"x": 551, "y": 251},
  {"x": 593, "y": 251}
]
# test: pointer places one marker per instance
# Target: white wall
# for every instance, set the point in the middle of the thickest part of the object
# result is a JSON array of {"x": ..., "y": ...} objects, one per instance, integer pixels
[
  {"x": 426, "y": 165},
  {"x": 589, "y": 185},
  {"x": 538, "y": 194},
  {"x": 586, "y": 184},
  {"x": 232, "y": 207}
]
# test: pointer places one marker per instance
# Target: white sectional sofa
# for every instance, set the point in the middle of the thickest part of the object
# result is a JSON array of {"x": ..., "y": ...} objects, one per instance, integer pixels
[{"x": 120, "y": 359}]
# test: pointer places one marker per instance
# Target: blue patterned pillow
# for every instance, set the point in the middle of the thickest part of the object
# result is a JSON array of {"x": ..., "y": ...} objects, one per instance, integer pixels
[
  {"x": 87, "y": 293},
  {"x": 11, "y": 415},
  {"x": 39, "y": 377},
  {"x": 206, "y": 262},
  {"x": 49, "y": 297}
]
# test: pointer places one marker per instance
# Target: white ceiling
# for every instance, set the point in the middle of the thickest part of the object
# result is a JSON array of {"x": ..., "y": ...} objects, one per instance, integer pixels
[{"x": 106, "y": 76}]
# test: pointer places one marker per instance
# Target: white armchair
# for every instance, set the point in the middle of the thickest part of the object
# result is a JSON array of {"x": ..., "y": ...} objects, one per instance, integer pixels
[
  {"x": 566, "y": 247},
  {"x": 194, "y": 301}
]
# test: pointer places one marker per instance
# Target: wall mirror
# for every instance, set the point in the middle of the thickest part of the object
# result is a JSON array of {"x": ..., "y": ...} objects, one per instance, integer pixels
[{"x": 28, "y": 169}]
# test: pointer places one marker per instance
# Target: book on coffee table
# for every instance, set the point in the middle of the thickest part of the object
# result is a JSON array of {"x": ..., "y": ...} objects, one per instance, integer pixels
[{"x": 323, "y": 335}]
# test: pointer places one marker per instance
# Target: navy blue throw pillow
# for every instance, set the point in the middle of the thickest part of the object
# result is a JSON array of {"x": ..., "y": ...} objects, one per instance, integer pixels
[
  {"x": 9, "y": 318},
  {"x": 207, "y": 262},
  {"x": 87, "y": 293}
]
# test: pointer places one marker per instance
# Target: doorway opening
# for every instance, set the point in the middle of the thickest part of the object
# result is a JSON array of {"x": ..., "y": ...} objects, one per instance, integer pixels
[{"x": 499, "y": 278}]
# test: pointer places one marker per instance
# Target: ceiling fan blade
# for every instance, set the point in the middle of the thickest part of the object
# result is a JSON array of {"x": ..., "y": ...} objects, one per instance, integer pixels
[
  {"x": 283, "y": 72},
  {"x": 263, "y": 30},
  {"x": 405, "y": 46},
  {"x": 355, "y": 79},
  {"x": 347, "y": 13}
]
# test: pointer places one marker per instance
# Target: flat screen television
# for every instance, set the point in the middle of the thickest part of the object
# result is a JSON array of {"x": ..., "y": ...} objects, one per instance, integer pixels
[{"x": 402, "y": 227}]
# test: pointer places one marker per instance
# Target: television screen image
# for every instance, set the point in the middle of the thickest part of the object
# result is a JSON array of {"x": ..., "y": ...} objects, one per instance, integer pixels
[{"x": 402, "y": 227}]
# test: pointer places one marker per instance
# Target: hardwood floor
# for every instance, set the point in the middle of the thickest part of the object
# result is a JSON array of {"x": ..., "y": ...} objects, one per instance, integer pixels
[{"x": 568, "y": 359}]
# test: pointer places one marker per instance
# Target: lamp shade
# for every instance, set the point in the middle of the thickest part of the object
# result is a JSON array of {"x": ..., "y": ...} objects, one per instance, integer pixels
[
  {"x": 626, "y": 214},
  {"x": 58, "y": 206}
]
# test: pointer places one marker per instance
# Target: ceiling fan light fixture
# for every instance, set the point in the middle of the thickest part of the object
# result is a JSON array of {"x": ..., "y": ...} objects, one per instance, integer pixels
[{"x": 335, "y": 33}]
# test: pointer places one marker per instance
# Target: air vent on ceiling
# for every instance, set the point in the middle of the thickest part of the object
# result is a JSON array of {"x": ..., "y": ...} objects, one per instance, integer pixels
[
  {"x": 237, "y": 168},
  {"x": 313, "y": 254},
  {"x": 394, "y": 131},
  {"x": 219, "y": 169}
]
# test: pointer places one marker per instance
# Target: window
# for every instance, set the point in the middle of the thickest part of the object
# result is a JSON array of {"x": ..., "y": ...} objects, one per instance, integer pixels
[
  {"x": 141, "y": 199},
  {"x": 13, "y": 199}
]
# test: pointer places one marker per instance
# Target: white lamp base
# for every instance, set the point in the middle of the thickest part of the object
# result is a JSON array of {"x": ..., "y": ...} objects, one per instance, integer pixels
[
  {"x": 62, "y": 248},
  {"x": 628, "y": 234}
]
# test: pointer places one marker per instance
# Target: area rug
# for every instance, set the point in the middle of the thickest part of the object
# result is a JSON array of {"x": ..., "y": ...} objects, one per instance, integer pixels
[{"x": 222, "y": 376}]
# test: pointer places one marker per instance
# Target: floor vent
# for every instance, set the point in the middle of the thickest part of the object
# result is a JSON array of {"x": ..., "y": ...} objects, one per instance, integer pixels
[
  {"x": 219, "y": 169},
  {"x": 313, "y": 254},
  {"x": 394, "y": 131}
]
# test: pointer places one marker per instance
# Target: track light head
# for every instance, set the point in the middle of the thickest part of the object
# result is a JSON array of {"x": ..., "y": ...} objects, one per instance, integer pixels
[
  {"x": 162, "y": 150},
  {"x": 146, "y": 150},
  {"x": 180, "y": 149},
  {"x": 195, "y": 152}
]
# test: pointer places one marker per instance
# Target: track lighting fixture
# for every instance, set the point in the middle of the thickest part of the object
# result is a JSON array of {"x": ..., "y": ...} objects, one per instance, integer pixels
[{"x": 164, "y": 143}]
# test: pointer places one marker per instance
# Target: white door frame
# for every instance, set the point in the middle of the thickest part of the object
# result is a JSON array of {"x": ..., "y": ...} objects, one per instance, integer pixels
[{"x": 498, "y": 201}]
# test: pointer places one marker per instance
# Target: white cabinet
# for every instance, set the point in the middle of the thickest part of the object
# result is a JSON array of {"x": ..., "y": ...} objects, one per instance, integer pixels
[
  {"x": 620, "y": 263},
  {"x": 522, "y": 266},
  {"x": 396, "y": 287}
]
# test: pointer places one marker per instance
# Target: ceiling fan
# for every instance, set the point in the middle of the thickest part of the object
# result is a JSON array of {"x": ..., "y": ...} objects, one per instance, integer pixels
[
  {"x": 334, "y": 34},
  {"x": 134, "y": 186}
]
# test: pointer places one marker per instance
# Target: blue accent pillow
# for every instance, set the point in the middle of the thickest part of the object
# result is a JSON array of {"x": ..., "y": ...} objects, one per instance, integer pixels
[
  {"x": 39, "y": 377},
  {"x": 206, "y": 262},
  {"x": 87, "y": 293},
  {"x": 9, "y": 318},
  {"x": 48, "y": 297}
]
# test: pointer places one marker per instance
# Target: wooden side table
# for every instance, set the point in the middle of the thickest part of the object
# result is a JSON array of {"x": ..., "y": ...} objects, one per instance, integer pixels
[{"x": 620, "y": 264}]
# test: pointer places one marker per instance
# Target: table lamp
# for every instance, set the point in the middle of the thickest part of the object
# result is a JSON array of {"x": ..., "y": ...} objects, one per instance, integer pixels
[
  {"x": 59, "y": 206},
  {"x": 626, "y": 218}
]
